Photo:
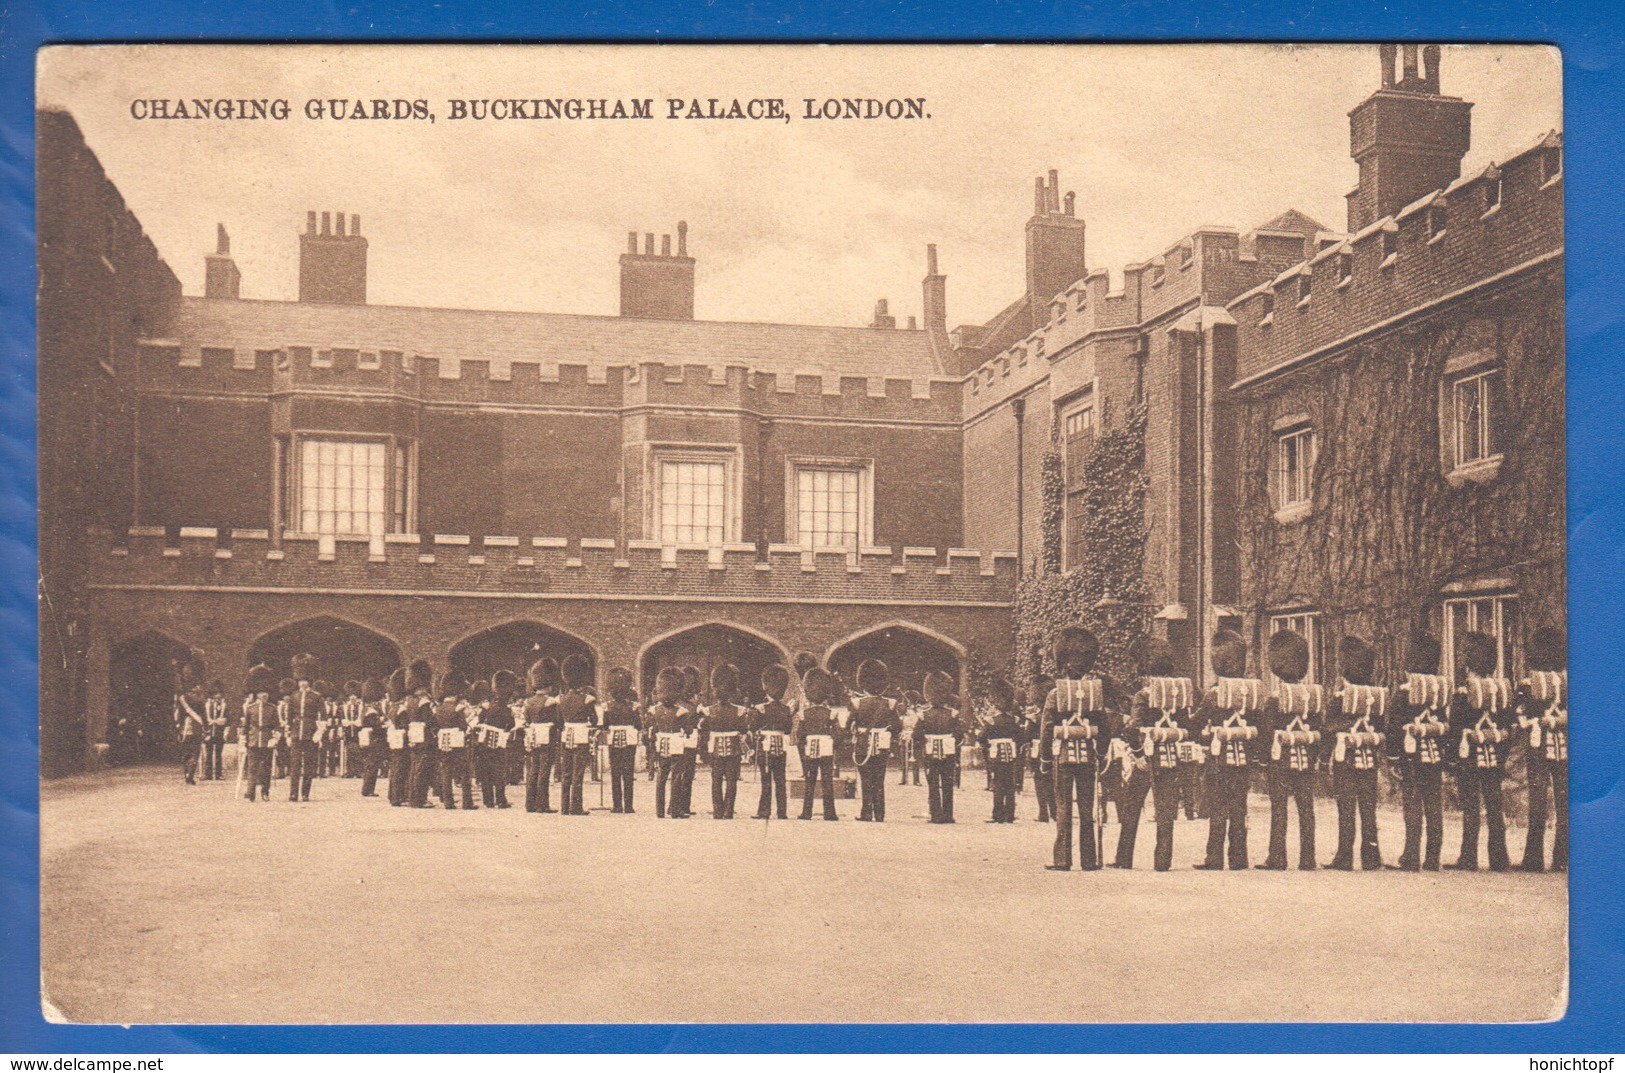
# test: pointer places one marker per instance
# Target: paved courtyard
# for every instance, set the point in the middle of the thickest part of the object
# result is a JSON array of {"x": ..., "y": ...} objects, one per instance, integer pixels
[{"x": 169, "y": 903}]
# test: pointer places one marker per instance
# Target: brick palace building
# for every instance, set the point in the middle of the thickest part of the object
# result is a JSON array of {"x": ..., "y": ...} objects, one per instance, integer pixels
[{"x": 1293, "y": 426}]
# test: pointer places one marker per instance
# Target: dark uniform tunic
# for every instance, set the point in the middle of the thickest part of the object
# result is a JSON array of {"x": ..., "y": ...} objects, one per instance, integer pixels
[
  {"x": 1161, "y": 732},
  {"x": 214, "y": 736},
  {"x": 371, "y": 746},
  {"x": 818, "y": 721},
  {"x": 666, "y": 719},
  {"x": 261, "y": 730},
  {"x": 870, "y": 717},
  {"x": 491, "y": 762},
  {"x": 402, "y": 713},
  {"x": 1354, "y": 780},
  {"x": 1418, "y": 733},
  {"x": 774, "y": 717},
  {"x": 722, "y": 739},
  {"x": 452, "y": 763},
  {"x": 423, "y": 753},
  {"x": 1073, "y": 737},
  {"x": 1005, "y": 734}
]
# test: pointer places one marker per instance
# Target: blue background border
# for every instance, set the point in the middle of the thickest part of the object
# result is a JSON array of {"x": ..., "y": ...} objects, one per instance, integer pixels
[{"x": 1592, "y": 36}]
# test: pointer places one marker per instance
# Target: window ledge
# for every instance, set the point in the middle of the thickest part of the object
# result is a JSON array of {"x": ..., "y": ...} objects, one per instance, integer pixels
[
  {"x": 1292, "y": 514},
  {"x": 1480, "y": 471},
  {"x": 1437, "y": 237},
  {"x": 1269, "y": 318},
  {"x": 1493, "y": 210},
  {"x": 1303, "y": 303},
  {"x": 1553, "y": 181},
  {"x": 1343, "y": 283},
  {"x": 1388, "y": 262}
]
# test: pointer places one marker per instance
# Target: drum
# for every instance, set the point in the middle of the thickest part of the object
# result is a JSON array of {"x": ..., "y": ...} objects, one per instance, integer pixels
[
  {"x": 1001, "y": 750},
  {"x": 725, "y": 743},
  {"x": 668, "y": 744},
  {"x": 773, "y": 742},
  {"x": 364, "y": 737},
  {"x": 940, "y": 747},
  {"x": 451, "y": 738},
  {"x": 417, "y": 733},
  {"x": 876, "y": 740},
  {"x": 493, "y": 737},
  {"x": 397, "y": 737},
  {"x": 577, "y": 735},
  {"x": 623, "y": 737},
  {"x": 538, "y": 735},
  {"x": 818, "y": 747}
]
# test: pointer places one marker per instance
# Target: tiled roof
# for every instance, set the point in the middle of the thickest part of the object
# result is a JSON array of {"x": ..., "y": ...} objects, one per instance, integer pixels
[
  {"x": 555, "y": 338},
  {"x": 1293, "y": 220}
]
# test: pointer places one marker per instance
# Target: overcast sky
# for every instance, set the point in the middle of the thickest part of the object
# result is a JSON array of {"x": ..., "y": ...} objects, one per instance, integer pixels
[{"x": 799, "y": 222}]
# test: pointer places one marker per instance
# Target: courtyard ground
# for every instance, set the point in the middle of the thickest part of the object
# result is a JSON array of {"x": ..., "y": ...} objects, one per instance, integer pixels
[{"x": 171, "y": 903}]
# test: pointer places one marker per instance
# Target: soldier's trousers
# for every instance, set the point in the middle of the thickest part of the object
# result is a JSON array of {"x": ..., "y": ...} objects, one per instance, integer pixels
[
  {"x": 724, "y": 786},
  {"x": 622, "y": 767},
  {"x": 453, "y": 768},
  {"x": 1168, "y": 791},
  {"x": 910, "y": 763},
  {"x": 492, "y": 767},
  {"x": 576, "y": 761},
  {"x": 214, "y": 760},
  {"x": 423, "y": 762},
  {"x": 1422, "y": 801},
  {"x": 303, "y": 758},
  {"x": 1473, "y": 786},
  {"x": 1004, "y": 774},
  {"x": 1292, "y": 787},
  {"x": 1130, "y": 806},
  {"x": 1544, "y": 774},
  {"x": 257, "y": 772},
  {"x": 1044, "y": 788},
  {"x": 812, "y": 772},
  {"x": 682, "y": 785},
  {"x": 1191, "y": 796},
  {"x": 191, "y": 750},
  {"x": 1356, "y": 792},
  {"x": 773, "y": 785},
  {"x": 668, "y": 772},
  {"x": 872, "y": 781},
  {"x": 400, "y": 768},
  {"x": 1075, "y": 781},
  {"x": 941, "y": 778},
  {"x": 370, "y": 760},
  {"x": 1227, "y": 816},
  {"x": 539, "y": 779}
]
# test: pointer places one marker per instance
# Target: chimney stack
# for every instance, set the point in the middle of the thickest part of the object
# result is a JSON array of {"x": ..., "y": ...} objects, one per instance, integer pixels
[
  {"x": 1407, "y": 138},
  {"x": 332, "y": 264},
  {"x": 1055, "y": 245},
  {"x": 935, "y": 287},
  {"x": 220, "y": 276},
  {"x": 883, "y": 317},
  {"x": 658, "y": 286}
]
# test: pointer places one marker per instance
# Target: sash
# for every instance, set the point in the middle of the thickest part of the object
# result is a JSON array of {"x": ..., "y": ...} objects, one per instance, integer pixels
[
  {"x": 1001, "y": 750},
  {"x": 451, "y": 738},
  {"x": 623, "y": 737},
  {"x": 818, "y": 747},
  {"x": 577, "y": 735},
  {"x": 940, "y": 747}
]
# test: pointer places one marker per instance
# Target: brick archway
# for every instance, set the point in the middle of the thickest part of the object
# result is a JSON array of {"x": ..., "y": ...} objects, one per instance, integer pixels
[
  {"x": 706, "y": 644},
  {"x": 907, "y": 648},
  {"x": 514, "y": 646},
  {"x": 347, "y": 650},
  {"x": 142, "y": 680}
]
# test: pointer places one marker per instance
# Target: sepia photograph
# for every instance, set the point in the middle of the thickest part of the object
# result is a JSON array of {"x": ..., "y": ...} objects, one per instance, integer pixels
[{"x": 1079, "y": 528}]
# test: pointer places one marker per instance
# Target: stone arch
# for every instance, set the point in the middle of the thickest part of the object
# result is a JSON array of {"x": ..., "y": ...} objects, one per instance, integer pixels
[
  {"x": 142, "y": 682},
  {"x": 347, "y": 650},
  {"x": 706, "y": 644},
  {"x": 514, "y": 645},
  {"x": 908, "y": 648}
]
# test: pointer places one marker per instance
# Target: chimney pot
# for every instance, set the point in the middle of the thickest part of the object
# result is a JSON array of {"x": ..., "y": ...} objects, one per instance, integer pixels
[
  {"x": 632, "y": 242},
  {"x": 665, "y": 245},
  {"x": 682, "y": 238},
  {"x": 1038, "y": 196},
  {"x": 222, "y": 241},
  {"x": 355, "y": 224},
  {"x": 310, "y": 222},
  {"x": 327, "y": 223},
  {"x": 649, "y": 243},
  {"x": 912, "y": 324},
  {"x": 1070, "y": 202},
  {"x": 931, "y": 259},
  {"x": 338, "y": 224}
]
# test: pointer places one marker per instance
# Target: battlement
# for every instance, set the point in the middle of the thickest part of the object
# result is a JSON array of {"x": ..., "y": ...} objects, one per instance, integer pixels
[
  {"x": 1477, "y": 230},
  {"x": 252, "y": 560}
]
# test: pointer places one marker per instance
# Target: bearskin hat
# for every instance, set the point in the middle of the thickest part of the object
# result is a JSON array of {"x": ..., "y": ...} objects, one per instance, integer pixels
[
  {"x": 1288, "y": 655},
  {"x": 306, "y": 667},
  {"x": 1478, "y": 653},
  {"x": 286, "y": 686},
  {"x": 323, "y": 687},
  {"x": 478, "y": 693},
  {"x": 815, "y": 686},
  {"x": 669, "y": 685},
  {"x": 352, "y": 688},
  {"x": 396, "y": 684},
  {"x": 1076, "y": 648},
  {"x": 620, "y": 683},
  {"x": 372, "y": 691},
  {"x": 192, "y": 674},
  {"x": 1152, "y": 656},
  {"x": 693, "y": 682},
  {"x": 1422, "y": 657},
  {"x": 1002, "y": 694},
  {"x": 261, "y": 679},
  {"x": 505, "y": 684},
  {"x": 939, "y": 688},
  {"x": 543, "y": 675},
  {"x": 724, "y": 681},
  {"x": 1039, "y": 689},
  {"x": 775, "y": 681},
  {"x": 913, "y": 698},
  {"x": 1548, "y": 650},
  {"x": 577, "y": 671},
  {"x": 1357, "y": 660},
  {"x": 449, "y": 684},
  {"x": 1229, "y": 654},
  {"x": 419, "y": 675},
  {"x": 217, "y": 686},
  {"x": 804, "y": 662},
  {"x": 873, "y": 676}
]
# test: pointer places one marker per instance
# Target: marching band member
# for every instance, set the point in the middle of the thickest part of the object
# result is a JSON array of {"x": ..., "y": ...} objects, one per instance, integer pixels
[
  {"x": 1419, "y": 725},
  {"x": 1292, "y": 721},
  {"x": 193, "y": 724},
  {"x": 1229, "y": 719},
  {"x": 326, "y": 751},
  {"x": 420, "y": 741},
  {"x": 665, "y": 723},
  {"x": 305, "y": 727},
  {"x": 722, "y": 734},
  {"x": 877, "y": 726},
  {"x": 577, "y": 712},
  {"x": 261, "y": 729},
  {"x": 214, "y": 739},
  {"x": 453, "y": 753},
  {"x": 937, "y": 737},
  {"x": 1162, "y": 714},
  {"x": 349, "y": 724},
  {"x": 1543, "y": 711},
  {"x": 493, "y": 725},
  {"x": 687, "y": 763},
  {"x": 1125, "y": 778},
  {"x": 909, "y": 755},
  {"x": 816, "y": 738},
  {"x": 542, "y": 730},
  {"x": 1041, "y": 763},
  {"x": 508, "y": 688},
  {"x": 1357, "y": 718},
  {"x": 285, "y": 688},
  {"x": 1073, "y": 728},
  {"x": 772, "y": 725},
  {"x": 624, "y": 726},
  {"x": 1003, "y": 740},
  {"x": 1480, "y": 716},
  {"x": 371, "y": 748},
  {"x": 399, "y": 705}
]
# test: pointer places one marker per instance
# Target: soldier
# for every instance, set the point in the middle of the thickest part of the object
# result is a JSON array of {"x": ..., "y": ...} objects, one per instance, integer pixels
[
  {"x": 578, "y": 713},
  {"x": 399, "y": 707},
  {"x": 305, "y": 726},
  {"x": 1418, "y": 726},
  {"x": 371, "y": 749},
  {"x": 772, "y": 725},
  {"x": 1543, "y": 711},
  {"x": 1004, "y": 740},
  {"x": 1357, "y": 719},
  {"x": 909, "y": 756},
  {"x": 349, "y": 759},
  {"x": 623, "y": 727},
  {"x": 491, "y": 757},
  {"x": 420, "y": 739},
  {"x": 1127, "y": 772},
  {"x": 1480, "y": 718},
  {"x": 722, "y": 739},
  {"x": 816, "y": 738},
  {"x": 938, "y": 734},
  {"x": 1293, "y": 718},
  {"x": 214, "y": 732},
  {"x": 450, "y": 734},
  {"x": 1229, "y": 720},
  {"x": 1041, "y": 762},
  {"x": 541, "y": 733},
  {"x": 1074, "y": 726},
  {"x": 665, "y": 723},
  {"x": 329, "y": 728},
  {"x": 285, "y": 688},
  {"x": 689, "y": 716},
  {"x": 509, "y": 689},
  {"x": 191, "y": 724},
  {"x": 1162, "y": 714},
  {"x": 877, "y": 730},
  {"x": 260, "y": 731}
]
